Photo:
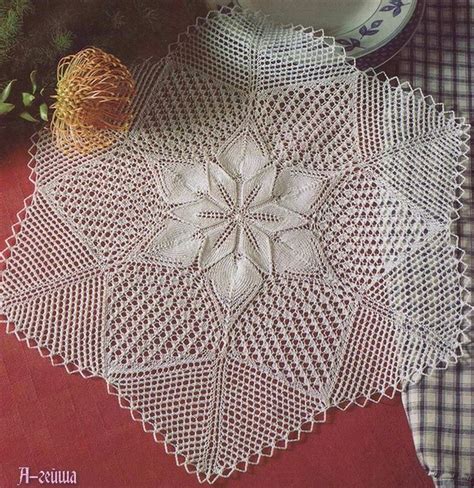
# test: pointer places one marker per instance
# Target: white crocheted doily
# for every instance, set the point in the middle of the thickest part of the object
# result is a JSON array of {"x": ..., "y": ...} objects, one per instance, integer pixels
[{"x": 271, "y": 239}]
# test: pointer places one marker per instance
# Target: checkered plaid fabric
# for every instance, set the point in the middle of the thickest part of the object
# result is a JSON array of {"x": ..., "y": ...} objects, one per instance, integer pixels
[{"x": 440, "y": 409}]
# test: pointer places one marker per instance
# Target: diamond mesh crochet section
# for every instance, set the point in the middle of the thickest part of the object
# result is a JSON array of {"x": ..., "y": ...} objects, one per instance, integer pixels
[{"x": 271, "y": 239}]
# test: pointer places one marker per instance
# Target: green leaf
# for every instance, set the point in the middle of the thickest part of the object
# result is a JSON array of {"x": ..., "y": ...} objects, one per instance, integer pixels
[
  {"x": 6, "y": 91},
  {"x": 27, "y": 98},
  {"x": 28, "y": 117},
  {"x": 34, "y": 85},
  {"x": 43, "y": 110},
  {"x": 6, "y": 107}
]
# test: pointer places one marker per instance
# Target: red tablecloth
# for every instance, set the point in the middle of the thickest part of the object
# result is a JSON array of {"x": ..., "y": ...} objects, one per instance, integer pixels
[{"x": 50, "y": 419}]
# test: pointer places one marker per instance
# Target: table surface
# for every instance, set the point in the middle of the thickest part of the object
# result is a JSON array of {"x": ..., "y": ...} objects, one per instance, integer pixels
[{"x": 51, "y": 419}]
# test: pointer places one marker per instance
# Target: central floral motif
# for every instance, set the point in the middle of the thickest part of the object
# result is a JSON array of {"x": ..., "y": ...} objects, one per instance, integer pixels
[{"x": 241, "y": 217}]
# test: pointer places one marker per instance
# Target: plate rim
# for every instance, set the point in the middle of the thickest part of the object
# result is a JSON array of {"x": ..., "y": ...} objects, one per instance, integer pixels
[{"x": 385, "y": 39}]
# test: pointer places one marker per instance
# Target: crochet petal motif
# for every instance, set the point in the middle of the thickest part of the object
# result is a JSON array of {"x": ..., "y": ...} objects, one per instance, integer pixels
[{"x": 271, "y": 239}]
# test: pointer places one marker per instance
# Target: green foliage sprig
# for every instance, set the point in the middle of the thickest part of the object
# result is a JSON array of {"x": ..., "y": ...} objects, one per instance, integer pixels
[
  {"x": 36, "y": 34},
  {"x": 12, "y": 14},
  {"x": 30, "y": 106}
]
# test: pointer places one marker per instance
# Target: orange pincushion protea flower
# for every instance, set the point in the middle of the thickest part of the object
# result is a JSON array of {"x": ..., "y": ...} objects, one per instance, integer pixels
[{"x": 93, "y": 101}]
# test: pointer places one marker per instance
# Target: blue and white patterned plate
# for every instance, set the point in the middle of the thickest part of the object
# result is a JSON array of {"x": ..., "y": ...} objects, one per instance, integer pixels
[{"x": 371, "y": 31}]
